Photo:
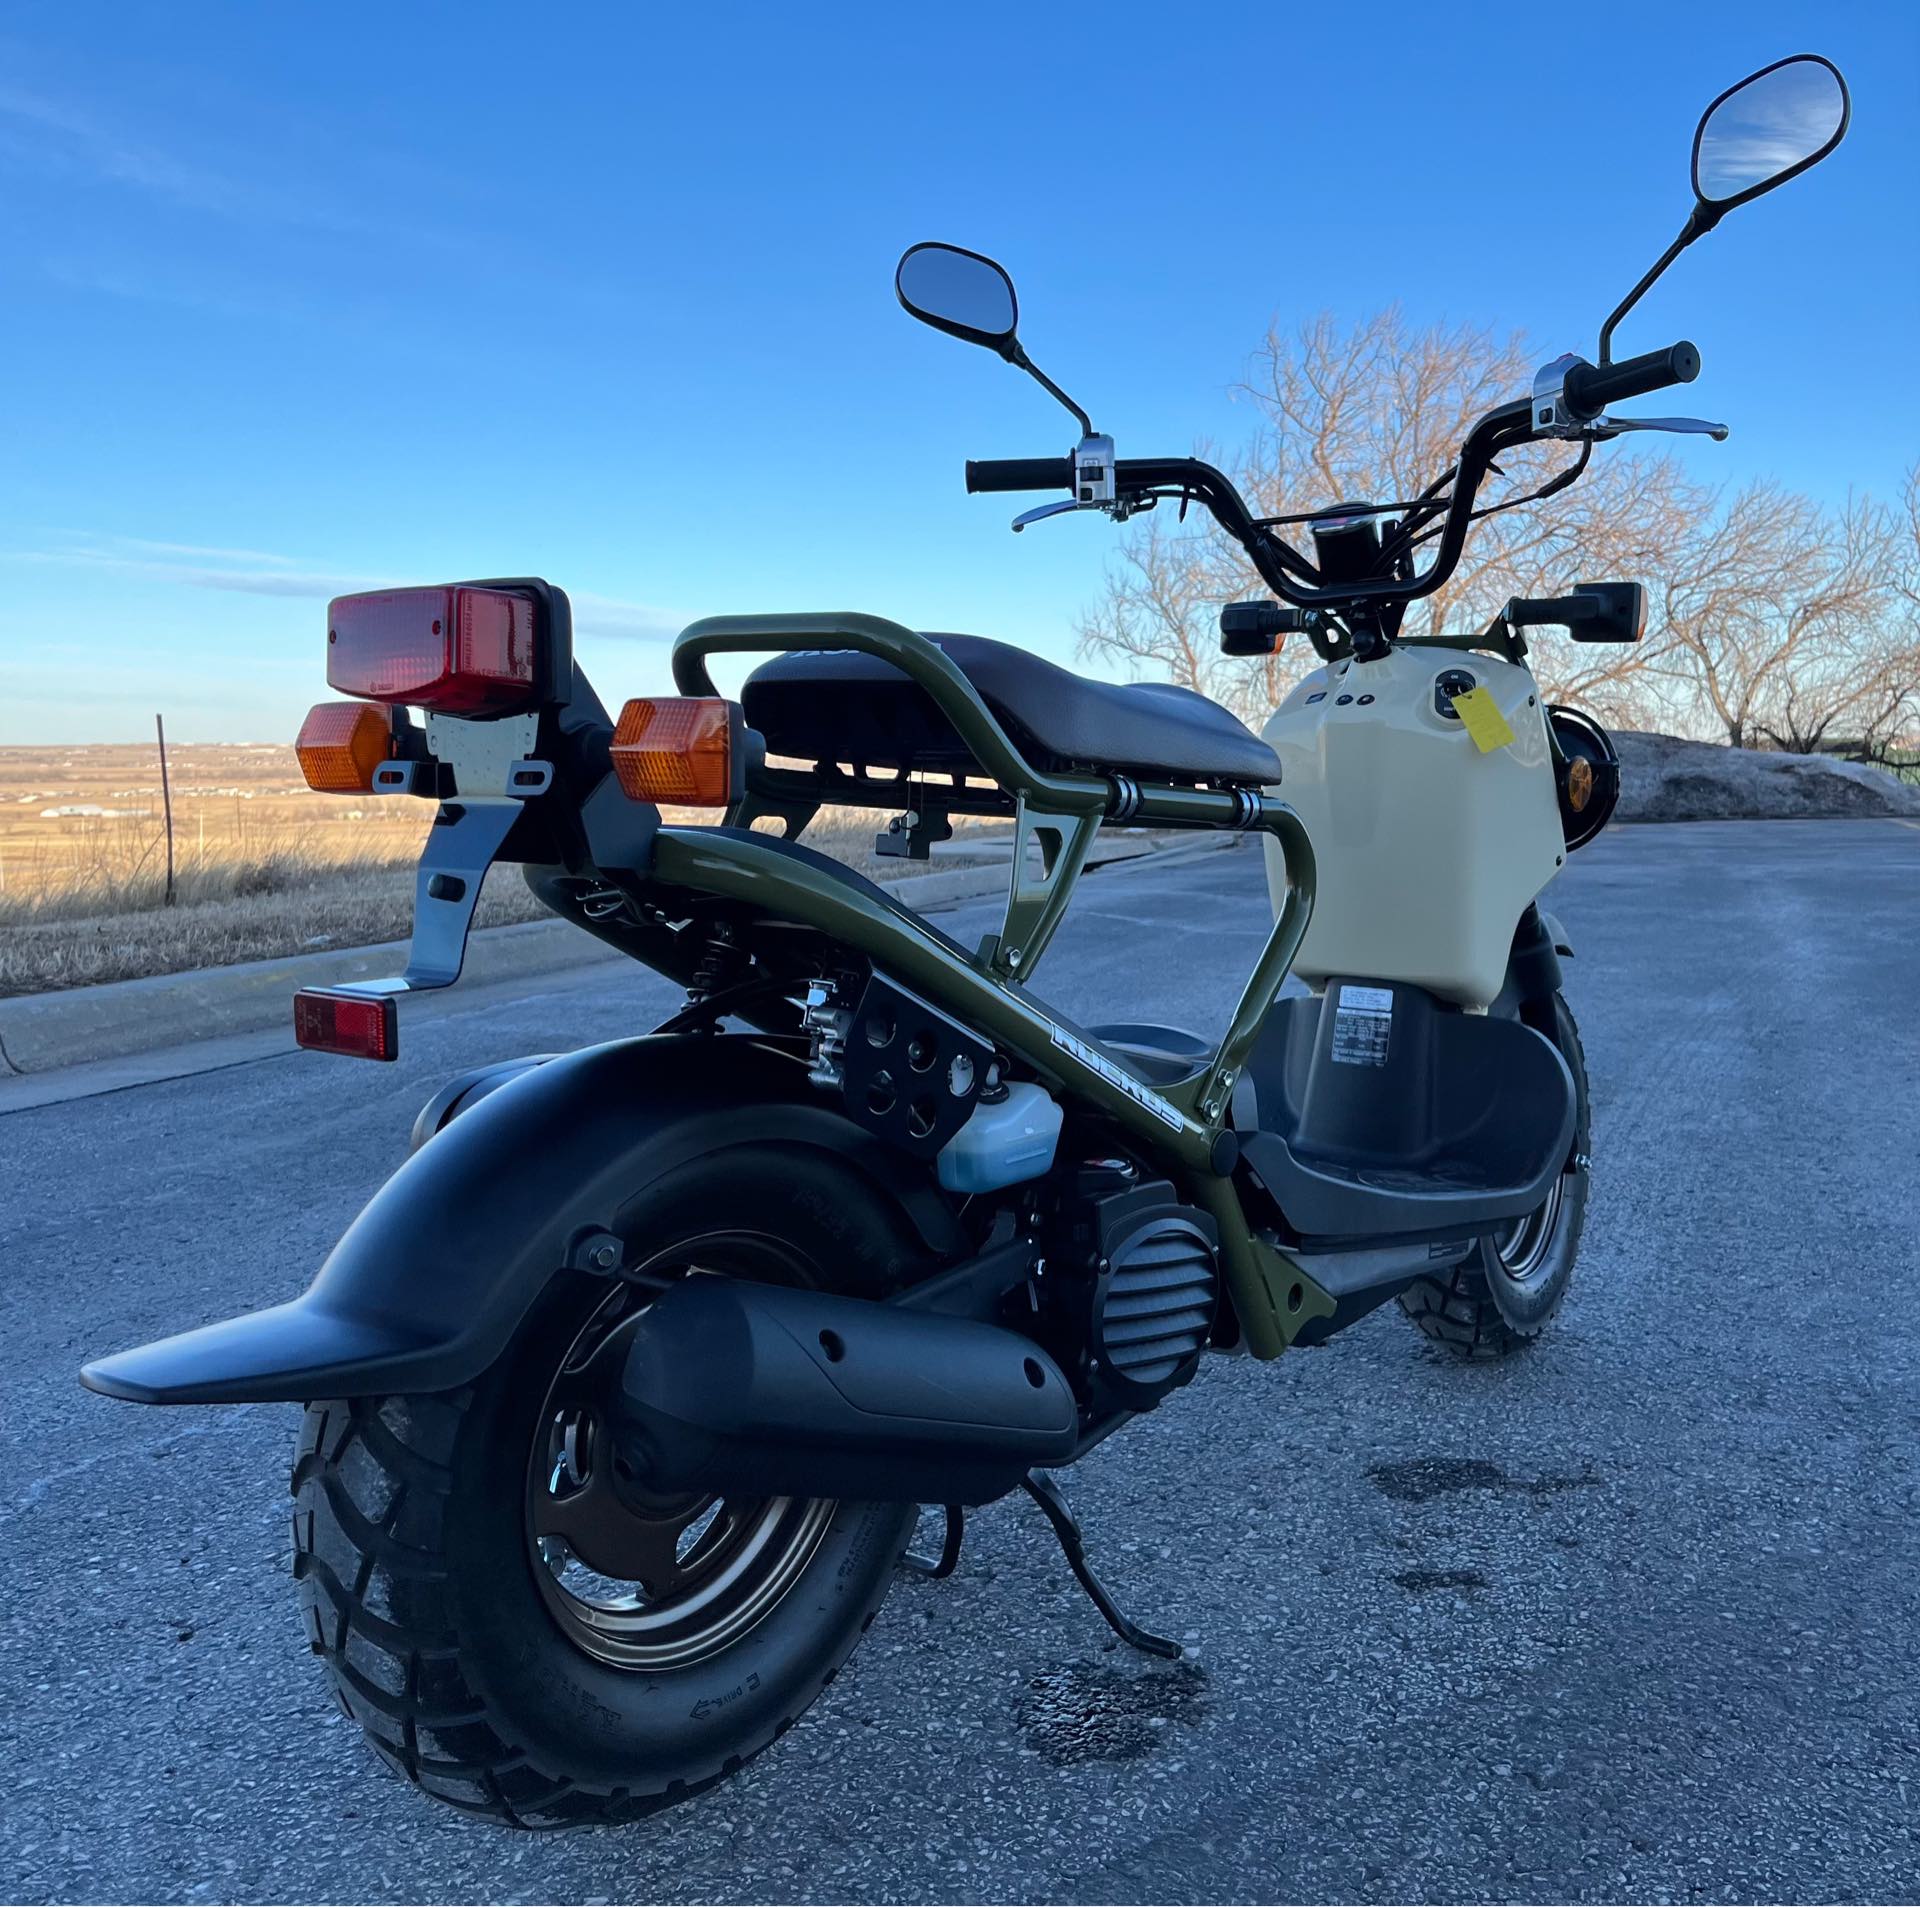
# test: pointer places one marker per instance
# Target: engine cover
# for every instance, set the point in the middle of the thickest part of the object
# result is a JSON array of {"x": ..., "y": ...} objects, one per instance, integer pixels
[{"x": 1156, "y": 1287}]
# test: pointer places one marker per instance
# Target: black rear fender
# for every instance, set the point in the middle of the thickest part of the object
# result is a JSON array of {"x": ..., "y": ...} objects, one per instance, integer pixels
[
  {"x": 430, "y": 1281},
  {"x": 465, "y": 1091}
]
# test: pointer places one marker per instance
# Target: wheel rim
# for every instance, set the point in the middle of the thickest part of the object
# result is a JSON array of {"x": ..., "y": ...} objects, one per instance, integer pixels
[
  {"x": 1524, "y": 1251},
  {"x": 643, "y": 1580}
]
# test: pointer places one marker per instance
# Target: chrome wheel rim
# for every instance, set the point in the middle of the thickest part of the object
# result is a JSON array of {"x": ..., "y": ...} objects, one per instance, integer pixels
[
  {"x": 638, "y": 1579},
  {"x": 1524, "y": 1249}
]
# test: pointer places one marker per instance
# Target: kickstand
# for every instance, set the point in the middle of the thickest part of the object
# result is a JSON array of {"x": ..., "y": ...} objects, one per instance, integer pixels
[
  {"x": 1046, "y": 1492},
  {"x": 940, "y": 1567}
]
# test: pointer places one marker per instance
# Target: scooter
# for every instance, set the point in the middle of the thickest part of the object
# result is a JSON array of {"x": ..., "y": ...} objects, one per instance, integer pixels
[{"x": 623, "y": 1394}]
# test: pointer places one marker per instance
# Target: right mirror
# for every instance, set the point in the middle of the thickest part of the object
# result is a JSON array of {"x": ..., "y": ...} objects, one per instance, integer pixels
[
  {"x": 1770, "y": 127},
  {"x": 959, "y": 292}
]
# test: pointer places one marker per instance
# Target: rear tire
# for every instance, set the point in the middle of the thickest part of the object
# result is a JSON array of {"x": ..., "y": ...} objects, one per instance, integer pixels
[
  {"x": 1502, "y": 1295},
  {"x": 420, "y": 1570}
]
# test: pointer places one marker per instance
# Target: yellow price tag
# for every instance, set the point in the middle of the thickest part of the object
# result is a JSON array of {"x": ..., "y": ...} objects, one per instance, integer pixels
[{"x": 1481, "y": 714}]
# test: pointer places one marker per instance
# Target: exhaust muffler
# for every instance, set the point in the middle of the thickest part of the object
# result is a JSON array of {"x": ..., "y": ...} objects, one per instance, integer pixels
[{"x": 733, "y": 1386}]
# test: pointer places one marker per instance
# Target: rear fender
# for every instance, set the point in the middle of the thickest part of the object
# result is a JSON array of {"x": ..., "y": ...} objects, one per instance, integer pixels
[
  {"x": 465, "y": 1091},
  {"x": 430, "y": 1281}
]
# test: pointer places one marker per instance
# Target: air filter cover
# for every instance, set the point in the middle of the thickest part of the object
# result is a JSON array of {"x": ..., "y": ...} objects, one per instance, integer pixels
[{"x": 1153, "y": 1304}]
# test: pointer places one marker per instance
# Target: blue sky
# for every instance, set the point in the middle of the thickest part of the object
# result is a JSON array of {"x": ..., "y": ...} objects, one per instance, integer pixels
[{"x": 297, "y": 298}]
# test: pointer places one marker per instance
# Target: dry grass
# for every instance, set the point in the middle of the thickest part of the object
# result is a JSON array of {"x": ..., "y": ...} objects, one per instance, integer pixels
[
  {"x": 263, "y": 867},
  {"x": 252, "y": 910}
]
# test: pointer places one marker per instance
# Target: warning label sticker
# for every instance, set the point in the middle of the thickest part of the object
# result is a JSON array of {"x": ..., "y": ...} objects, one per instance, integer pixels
[{"x": 1362, "y": 1023}]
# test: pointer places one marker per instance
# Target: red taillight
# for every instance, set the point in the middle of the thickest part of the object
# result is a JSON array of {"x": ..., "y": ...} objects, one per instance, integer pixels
[
  {"x": 459, "y": 651},
  {"x": 360, "y": 1026}
]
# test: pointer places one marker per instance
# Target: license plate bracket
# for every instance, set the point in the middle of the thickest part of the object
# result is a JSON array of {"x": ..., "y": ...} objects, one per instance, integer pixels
[{"x": 461, "y": 846}]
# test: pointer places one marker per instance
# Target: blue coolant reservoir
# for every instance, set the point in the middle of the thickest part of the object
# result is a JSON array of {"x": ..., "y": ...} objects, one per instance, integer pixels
[{"x": 1003, "y": 1143}]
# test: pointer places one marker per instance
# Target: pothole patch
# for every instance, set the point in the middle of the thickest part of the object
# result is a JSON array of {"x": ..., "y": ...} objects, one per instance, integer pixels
[
  {"x": 1076, "y": 1715},
  {"x": 1420, "y": 1582},
  {"x": 1423, "y": 1478}
]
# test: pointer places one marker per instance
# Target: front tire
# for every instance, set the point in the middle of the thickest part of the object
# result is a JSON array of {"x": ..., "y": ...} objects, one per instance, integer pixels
[
  {"x": 483, "y": 1661},
  {"x": 1502, "y": 1295}
]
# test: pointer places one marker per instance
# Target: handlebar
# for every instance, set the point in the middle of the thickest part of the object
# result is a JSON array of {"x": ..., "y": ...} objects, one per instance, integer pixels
[
  {"x": 1020, "y": 473},
  {"x": 1587, "y": 389},
  {"x": 1590, "y": 388}
]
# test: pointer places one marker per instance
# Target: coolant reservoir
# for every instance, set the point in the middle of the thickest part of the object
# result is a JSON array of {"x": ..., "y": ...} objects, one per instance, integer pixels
[
  {"x": 1003, "y": 1142},
  {"x": 1427, "y": 849}
]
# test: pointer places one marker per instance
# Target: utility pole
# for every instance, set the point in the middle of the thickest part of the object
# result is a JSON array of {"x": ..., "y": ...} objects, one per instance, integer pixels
[{"x": 166, "y": 798}]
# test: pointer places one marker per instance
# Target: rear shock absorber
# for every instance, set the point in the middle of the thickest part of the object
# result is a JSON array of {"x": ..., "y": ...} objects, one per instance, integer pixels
[{"x": 722, "y": 963}]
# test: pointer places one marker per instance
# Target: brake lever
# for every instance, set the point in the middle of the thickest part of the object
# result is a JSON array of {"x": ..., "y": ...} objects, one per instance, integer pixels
[
  {"x": 1604, "y": 427},
  {"x": 1119, "y": 509},
  {"x": 1046, "y": 510}
]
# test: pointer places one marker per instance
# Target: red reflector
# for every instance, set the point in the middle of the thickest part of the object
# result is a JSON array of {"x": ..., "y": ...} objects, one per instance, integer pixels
[
  {"x": 357, "y": 1025},
  {"x": 460, "y": 651}
]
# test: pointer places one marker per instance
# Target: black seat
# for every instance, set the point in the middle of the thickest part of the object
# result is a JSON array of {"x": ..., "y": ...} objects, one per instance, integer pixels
[{"x": 839, "y": 705}]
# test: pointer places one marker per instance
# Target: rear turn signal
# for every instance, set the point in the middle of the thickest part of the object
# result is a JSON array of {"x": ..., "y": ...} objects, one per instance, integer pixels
[
  {"x": 356, "y": 1025},
  {"x": 677, "y": 749},
  {"x": 341, "y": 744}
]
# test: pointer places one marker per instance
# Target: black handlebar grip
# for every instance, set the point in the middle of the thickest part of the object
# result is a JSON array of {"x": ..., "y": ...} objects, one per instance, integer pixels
[
  {"x": 1590, "y": 388},
  {"x": 1020, "y": 473}
]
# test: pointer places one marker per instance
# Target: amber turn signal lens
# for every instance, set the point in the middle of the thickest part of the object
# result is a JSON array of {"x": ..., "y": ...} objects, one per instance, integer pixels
[
  {"x": 341, "y": 744},
  {"x": 676, "y": 749},
  {"x": 1579, "y": 783}
]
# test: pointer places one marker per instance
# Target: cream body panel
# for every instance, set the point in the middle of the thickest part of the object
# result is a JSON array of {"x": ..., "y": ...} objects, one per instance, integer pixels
[{"x": 1427, "y": 851}]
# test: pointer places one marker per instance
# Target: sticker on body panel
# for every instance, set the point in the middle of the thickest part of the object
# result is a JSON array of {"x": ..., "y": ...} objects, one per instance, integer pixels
[
  {"x": 1119, "y": 1076},
  {"x": 1362, "y": 1025}
]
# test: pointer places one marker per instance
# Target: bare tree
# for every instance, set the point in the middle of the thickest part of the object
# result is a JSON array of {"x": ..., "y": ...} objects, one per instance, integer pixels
[
  {"x": 1374, "y": 413},
  {"x": 1891, "y": 734},
  {"x": 1787, "y": 626},
  {"x": 1885, "y": 717}
]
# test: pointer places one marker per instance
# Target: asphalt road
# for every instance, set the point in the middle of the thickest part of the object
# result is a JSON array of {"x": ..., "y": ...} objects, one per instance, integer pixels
[{"x": 1631, "y": 1617}]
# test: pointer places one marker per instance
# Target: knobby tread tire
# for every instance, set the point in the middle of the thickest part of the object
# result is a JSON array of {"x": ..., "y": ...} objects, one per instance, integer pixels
[
  {"x": 416, "y": 1575},
  {"x": 1458, "y": 1311},
  {"x": 371, "y": 1487}
]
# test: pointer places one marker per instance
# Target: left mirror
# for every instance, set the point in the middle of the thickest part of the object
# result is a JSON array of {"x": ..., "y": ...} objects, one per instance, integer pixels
[
  {"x": 959, "y": 292},
  {"x": 1767, "y": 129}
]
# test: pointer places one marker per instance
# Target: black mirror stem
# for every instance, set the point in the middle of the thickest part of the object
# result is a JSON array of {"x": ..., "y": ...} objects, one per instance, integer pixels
[
  {"x": 1015, "y": 353},
  {"x": 1700, "y": 221}
]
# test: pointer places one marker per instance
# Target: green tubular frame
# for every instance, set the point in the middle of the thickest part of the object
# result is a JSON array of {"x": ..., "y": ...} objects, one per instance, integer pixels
[
  {"x": 912, "y": 655},
  {"x": 1184, "y": 1126}
]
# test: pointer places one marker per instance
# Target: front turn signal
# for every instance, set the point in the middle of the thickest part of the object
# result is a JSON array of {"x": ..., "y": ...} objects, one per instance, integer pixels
[
  {"x": 341, "y": 744},
  {"x": 678, "y": 749}
]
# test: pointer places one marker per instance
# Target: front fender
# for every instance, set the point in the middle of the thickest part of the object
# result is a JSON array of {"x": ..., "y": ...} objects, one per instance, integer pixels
[{"x": 430, "y": 1281}]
